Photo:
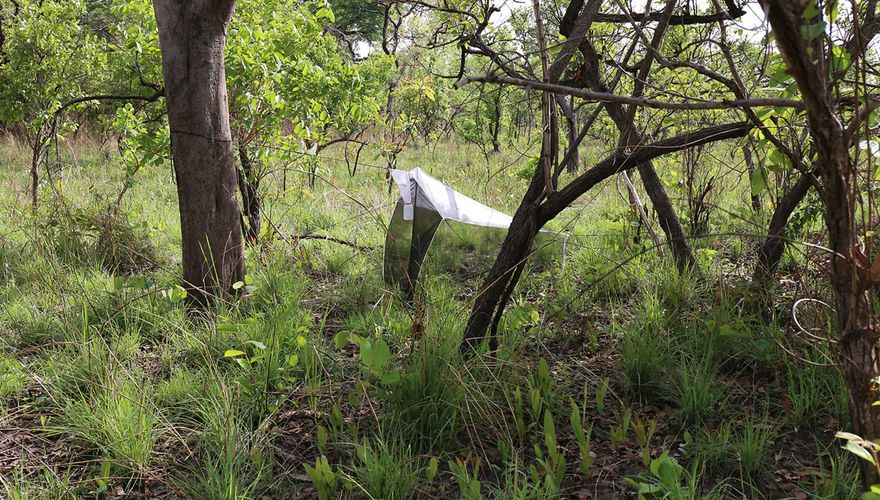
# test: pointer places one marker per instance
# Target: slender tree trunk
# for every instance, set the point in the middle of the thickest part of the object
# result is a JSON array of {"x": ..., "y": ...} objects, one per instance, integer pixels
[
  {"x": 572, "y": 122},
  {"x": 248, "y": 186},
  {"x": 496, "y": 122},
  {"x": 770, "y": 252},
  {"x": 36, "y": 160},
  {"x": 669, "y": 221},
  {"x": 192, "y": 38},
  {"x": 750, "y": 165}
]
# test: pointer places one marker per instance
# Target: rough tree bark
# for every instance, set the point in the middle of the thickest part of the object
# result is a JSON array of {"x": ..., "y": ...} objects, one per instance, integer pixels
[
  {"x": 851, "y": 278},
  {"x": 192, "y": 37}
]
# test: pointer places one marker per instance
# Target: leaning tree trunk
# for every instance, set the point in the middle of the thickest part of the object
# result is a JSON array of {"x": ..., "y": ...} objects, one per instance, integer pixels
[
  {"x": 249, "y": 185},
  {"x": 192, "y": 38},
  {"x": 669, "y": 221},
  {"x": 590, "y": 77},
  {"x": 504, "y": 274},
  {"x": 770, "y": 252}
]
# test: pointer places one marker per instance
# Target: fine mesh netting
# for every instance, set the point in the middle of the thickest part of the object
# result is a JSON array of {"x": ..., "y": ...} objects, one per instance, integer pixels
[{"x": 424, "y": 204}]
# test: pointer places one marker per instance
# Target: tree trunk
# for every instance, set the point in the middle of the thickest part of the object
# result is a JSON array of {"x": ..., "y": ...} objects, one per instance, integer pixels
[
  {"x": 770, "y": 252},
  {"x": 750, "y": 166},
  {"x": 851, "y": 277},
  {"x": 572, "y": 121},
  {"x": 248, "y": 186},
  {"x": 514, "y": 252},
  {"x": 666, "y": 216},
  {"x": 192, "y": 38},
  {"x": 496, "y": 122},
  {"x": 36, "y": 157},
  {"x": 532, "y": 214}
]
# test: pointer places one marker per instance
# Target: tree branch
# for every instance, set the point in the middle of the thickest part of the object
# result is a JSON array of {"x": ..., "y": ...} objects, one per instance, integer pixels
[
  {"x": 638, "y": 101},
  {"x": 621, "y": 161}
]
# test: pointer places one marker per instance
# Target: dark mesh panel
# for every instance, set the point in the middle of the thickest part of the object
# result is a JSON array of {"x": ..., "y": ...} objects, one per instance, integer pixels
[
  {"x": 407, "y": 242},
  {"x": 397, "y": 246}
]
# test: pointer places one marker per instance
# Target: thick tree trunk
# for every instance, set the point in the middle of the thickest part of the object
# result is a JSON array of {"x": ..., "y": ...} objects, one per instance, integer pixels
[
  {"x": 248, "y": 186},
  {"x": 770, "y": 252},
  {"x": 851, "y": 277},
  {"x": 192, "y": 38}
]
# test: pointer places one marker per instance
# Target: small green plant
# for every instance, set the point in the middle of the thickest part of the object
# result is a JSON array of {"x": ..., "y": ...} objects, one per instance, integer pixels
[
  {"x": 644, "y": 432},
  {"x": 324, "y": 478},
  {"x": 752, "y": 443},
  {"x": 583, "y": 440},
  {"x": 645, "y": 356},
  {"x": 539, "y": 388},
  {"x": 386, "y": 470},
  {"x": 696, "y": 392},
  {"x": 519, "y": 414},
  {"x": 667, "y": 479},
  {"x": 713, "y": 447},
  {"x": 619, "y": 432},
  {"x": 12, "y": 377},
  {"x": 552, "y": 465},
  {"x": 119, "y": 420},
  {"x": 839, "y": 478},
  {"x": 864, "y": 449},
  {"x": 467, "y": 478}
]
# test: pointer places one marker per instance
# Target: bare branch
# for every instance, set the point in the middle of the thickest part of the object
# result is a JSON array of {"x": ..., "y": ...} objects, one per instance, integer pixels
[{"x": 638, "y": 101}]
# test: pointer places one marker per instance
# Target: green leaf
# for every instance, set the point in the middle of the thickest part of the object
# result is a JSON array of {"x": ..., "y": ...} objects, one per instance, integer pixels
[
  {"x": 237, "y": 285},
  {"x": 256, "y": 343},
  {"x": 340, "y": 339},
  {"x": 549, "y": 432},
  {"x": 812, "y": 31},
  {"x": 778, "y": 161},
  {"x": 859, "y": 451},
  {"x": 848, "y": 435},
  {"x": 381, "y": 354},
  {"x": 759, "y": 180},
  {"x": 431, "y": 471},
  {"x": 233, "y": 353}
]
